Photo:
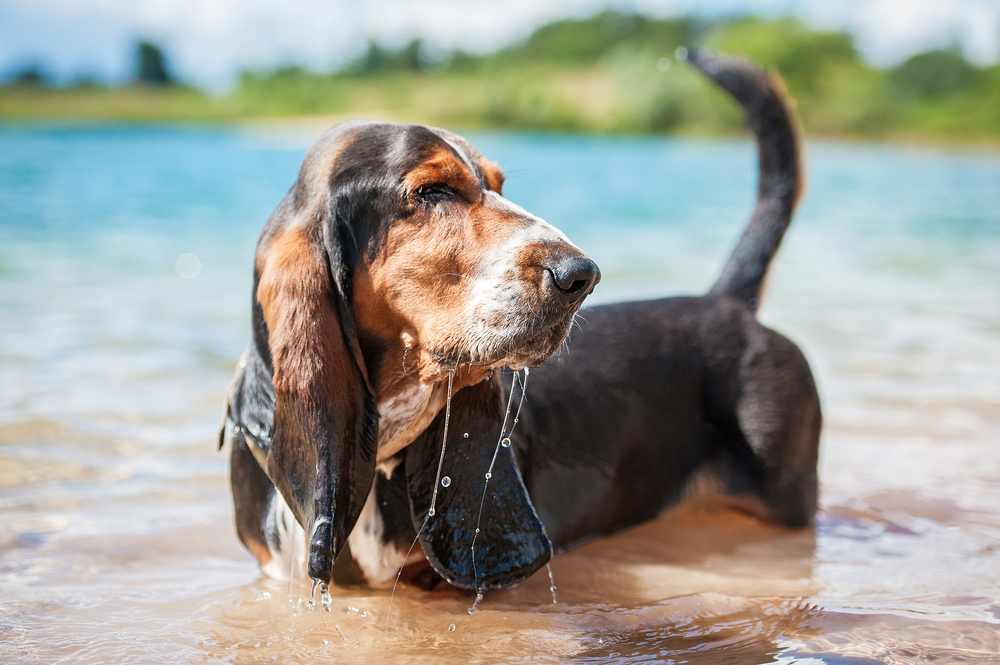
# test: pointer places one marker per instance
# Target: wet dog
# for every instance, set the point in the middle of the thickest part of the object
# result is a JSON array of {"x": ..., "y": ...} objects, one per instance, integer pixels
[
  {"x": 654, "y": 399},
  {"x": 659, "y": 400},
  {"x": 392, "y": 275}
]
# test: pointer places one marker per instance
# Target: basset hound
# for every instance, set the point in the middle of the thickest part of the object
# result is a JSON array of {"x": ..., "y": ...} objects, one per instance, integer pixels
[
  {"x": 393, "y": 276},
  {"x": 657, "y": 400}
]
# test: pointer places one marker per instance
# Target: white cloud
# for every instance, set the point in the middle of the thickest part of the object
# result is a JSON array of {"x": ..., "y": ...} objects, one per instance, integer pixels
[
  {"x": 889, "y": 30},
  {"x": 210, "y": 41}
]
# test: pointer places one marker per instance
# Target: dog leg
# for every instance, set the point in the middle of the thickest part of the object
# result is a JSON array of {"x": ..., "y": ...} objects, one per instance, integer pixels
[{"x": 779, "y": 421}]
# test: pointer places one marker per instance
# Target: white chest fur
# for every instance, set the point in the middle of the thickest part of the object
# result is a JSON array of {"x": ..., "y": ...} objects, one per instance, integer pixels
[{"x": 405, "y": 415}]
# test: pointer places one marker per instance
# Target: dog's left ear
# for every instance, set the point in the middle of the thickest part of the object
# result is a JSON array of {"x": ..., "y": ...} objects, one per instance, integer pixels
[
  {"x": 322, "y": 449},
  {"x": 512, "y": 543}
]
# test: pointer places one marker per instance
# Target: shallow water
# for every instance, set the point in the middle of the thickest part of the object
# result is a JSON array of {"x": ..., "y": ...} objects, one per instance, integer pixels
[{"x": 116, "y": 536}]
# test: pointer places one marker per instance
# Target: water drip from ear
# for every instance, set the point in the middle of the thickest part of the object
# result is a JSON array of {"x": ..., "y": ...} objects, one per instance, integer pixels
[
  {"x": 502, "y": 441},
  {"x": 444, "y": 445},
  {"x": 438, "y": 482}
]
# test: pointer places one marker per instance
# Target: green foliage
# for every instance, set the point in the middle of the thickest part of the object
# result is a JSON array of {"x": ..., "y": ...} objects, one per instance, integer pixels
[
  {"x": 934, "y": 74},
  {"x": 378, "y": 60},
  {"x": 31, "y": 77},
  {"x": 150, "y": 65},
  {"x": 613, "y": 72},
  {"x": 586, "y": 41},
  {"x": 801, "y": 55}
]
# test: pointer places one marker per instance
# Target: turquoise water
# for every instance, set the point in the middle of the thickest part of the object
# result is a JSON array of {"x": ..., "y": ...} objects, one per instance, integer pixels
[{"x": 115, "y": 534}]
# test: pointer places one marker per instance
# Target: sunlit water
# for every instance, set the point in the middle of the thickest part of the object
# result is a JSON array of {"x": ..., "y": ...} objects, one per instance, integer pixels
[{"x": 116, "y": 536}]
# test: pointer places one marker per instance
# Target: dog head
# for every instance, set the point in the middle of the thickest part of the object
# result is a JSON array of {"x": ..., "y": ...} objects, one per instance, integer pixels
[{"x": 394, "y": 246}]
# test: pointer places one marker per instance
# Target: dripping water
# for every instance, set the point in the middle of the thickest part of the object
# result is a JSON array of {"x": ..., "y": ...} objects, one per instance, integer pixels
[
  {"x": 312, "y": 594},
  {"x": 504, "y": 441},
  {"x": 438, "y": 481},
  {"x": 475, "y": 605},
  {"x": 444, "y": 445},
  {"x": 552, "y": 584},
  {"x": 291, "y": 563}
]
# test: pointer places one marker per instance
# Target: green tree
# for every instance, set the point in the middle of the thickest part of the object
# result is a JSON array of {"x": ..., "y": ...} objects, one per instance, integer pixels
[
  {"x": 151, "y": 67},
  {"x": 31, "y": 77},
  {"x": 379, "y": 60},
  {"x": 934, "y": 74}
]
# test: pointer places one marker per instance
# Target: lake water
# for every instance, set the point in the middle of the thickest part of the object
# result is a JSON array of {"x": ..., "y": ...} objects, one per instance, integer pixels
[{"x": 116, "y": 535}]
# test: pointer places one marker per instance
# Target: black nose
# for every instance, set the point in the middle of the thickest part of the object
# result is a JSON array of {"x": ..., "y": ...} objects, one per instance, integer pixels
[{"x": 574, "y": 278}]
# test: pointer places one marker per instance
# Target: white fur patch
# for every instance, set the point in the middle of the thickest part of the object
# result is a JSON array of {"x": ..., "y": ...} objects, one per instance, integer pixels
[
  {"x": 498, "y": 300},
  {"x": 378, "y": 561},
  {"x": 288, "y": 555},
  {"x": 402, "y": 417}
]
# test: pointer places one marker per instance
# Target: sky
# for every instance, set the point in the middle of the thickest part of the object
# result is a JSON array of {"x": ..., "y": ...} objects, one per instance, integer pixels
[{"x": 208, "y": 42}]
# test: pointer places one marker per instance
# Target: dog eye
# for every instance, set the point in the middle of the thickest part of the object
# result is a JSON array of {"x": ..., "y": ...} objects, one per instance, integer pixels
[{"x": 433, "y": 193}]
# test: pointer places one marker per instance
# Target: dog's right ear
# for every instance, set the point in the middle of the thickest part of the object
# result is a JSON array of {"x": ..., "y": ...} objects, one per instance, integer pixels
[{"x": 303, "y": 401}]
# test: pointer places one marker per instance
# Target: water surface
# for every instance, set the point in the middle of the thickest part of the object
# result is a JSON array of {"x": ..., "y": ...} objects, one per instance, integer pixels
[{"x": 116, "y": 536}]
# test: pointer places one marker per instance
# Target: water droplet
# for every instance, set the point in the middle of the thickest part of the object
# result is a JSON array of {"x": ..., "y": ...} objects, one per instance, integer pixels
[
  {"x": 516, "y": 421},
  {"x": 479, "y": 597},
  {"x": 431, "y": 512},
  {"x": 327, "y": 600},
  {"x": 451, "y": 628},
  {"x": 506, "y": 441},
  {"x": 488, "y": 475},
  {"x": 477, "y": 529},
  {"x": 552, "y": 588},
  {"x": 445, "y": 481},
  {"x": 465, "y": 436},
  {"x": 266, "y": 595},
  {"x": 326, "y": 642}
]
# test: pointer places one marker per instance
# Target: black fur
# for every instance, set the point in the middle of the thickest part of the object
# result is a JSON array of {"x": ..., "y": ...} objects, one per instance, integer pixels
[
  {"x": 320, "y": 454},
  {"x": 652, "y": 392},
  {"x": 512, "y": 543}
]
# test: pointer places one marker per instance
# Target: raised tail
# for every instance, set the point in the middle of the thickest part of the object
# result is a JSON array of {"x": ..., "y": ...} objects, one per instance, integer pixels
[{"x": 773, "y": 121}]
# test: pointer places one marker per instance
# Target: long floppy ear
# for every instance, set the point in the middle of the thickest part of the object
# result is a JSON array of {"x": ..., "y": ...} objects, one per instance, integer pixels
[
  {"x": 321, "y": 448},
  {"x": 512, "y": 543}
]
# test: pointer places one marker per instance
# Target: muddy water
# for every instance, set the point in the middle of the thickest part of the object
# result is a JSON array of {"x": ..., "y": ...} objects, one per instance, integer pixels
[{"x": 116, "y": 536}]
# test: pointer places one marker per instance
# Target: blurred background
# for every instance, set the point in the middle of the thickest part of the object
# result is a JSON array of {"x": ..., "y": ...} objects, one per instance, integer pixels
[
  {"x": 143, "y": 144},
  {"x": 925, "y": 69}
]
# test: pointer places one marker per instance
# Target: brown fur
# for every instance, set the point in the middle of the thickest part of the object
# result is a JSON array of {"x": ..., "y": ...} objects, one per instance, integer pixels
[{"x": 376, "y": 283}]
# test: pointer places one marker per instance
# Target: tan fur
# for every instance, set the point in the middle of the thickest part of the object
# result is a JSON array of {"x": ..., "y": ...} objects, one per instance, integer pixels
[
  {"x": 293, "y": 293},
  {"x": 494, "y": 176},
  {"x": 415, "y": 295},
  {"x": 778, "y": 84}
]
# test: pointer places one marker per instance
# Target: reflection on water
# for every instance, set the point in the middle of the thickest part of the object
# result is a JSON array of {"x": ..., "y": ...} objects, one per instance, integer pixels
[{"x": 116, "y": 536}]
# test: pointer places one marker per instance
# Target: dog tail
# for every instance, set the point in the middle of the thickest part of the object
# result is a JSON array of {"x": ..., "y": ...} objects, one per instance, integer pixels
[{"x": 771, "y": 117}]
